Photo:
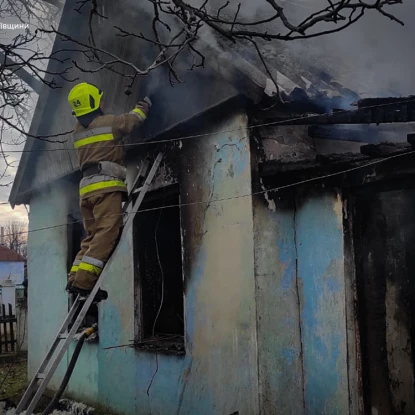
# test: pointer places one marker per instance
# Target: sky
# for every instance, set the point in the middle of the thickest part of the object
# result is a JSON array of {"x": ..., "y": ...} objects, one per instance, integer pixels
[
  {"x": 373, "y": 57},
  {"x": 6, "y": 213},
  {"x": 20, "y": 213}
]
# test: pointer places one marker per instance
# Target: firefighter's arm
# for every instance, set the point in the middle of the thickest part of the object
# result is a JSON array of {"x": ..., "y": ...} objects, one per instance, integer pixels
[{"x": 126, "y": 123}]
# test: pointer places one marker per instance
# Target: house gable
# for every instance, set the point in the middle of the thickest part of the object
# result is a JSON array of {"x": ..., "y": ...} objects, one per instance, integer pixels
[
  {"x": 227, "y": 75},
  {"x": 8, "y": 255}
]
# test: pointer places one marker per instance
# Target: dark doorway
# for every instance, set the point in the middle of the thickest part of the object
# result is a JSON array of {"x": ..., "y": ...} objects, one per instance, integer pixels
[{"x": 384, "y": 238}]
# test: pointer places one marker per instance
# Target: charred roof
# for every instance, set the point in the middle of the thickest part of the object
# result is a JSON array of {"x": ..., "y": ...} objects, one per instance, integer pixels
[{"x": 227, "y": 76}]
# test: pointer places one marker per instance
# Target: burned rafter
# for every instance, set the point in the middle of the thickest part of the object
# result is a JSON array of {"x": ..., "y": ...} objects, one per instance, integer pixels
[
  {"x": 398, "y": 110},
  {"x": 245, "y": 77},
  {"x": 335, "y": 163},
  {"x": 386, "y": 149},
  {"x": 368, "y": 134},
  {"x": 370, "y": 102},
  {"x": 319, "y": 164}
]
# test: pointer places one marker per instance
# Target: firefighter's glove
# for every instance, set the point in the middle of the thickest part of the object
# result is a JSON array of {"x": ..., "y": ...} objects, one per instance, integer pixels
[
  {"x": 143, "y": 106},
  {"x": 148, "y": 101}
]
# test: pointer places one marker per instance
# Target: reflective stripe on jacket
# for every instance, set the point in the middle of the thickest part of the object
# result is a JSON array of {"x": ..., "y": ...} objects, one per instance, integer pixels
[
  {"x": 75, "y": 265},
  {"x": 100, "y": 182},
  {"x": 91, "y": 265},
  {"x": 94, "y": 135},
  {"x": 139, "y": 112},
  {"x": 102, "y": 141}
]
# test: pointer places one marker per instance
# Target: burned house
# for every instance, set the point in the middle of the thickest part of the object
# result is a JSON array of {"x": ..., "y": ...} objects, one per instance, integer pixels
[{"x": 269, "y": 270}]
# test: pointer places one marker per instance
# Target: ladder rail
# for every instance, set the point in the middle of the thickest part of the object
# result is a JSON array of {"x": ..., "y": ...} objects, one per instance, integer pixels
[
  {"x": 48, "y": 373},
  {"x": 143, "y": 190},
  {"x": 141, "y": 173},
  {"x": 128, "y": 207},
  {"x": 62, "y": 350},
  {"x": 29, "y": 391}
]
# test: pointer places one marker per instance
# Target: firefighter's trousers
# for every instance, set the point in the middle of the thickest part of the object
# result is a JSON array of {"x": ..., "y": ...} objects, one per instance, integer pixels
[{"x": 102, "y": 217}]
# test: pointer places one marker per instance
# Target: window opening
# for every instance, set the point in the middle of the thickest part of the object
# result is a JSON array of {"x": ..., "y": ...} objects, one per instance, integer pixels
[{"x": 159, "y": 276}]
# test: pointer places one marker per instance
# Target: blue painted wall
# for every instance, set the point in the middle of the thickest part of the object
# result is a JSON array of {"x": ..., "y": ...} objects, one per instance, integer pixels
[
  {"x": 219, "y": 274},
  {"x": 319, "y": 231},
  {"x": 302, "y": 339},
  {"x": 265, "y": 323},
  {"x": 219, "y": 372},
  {"x": 13, "y": 269},
  {"x": 47, "y": 251},
  {"x": 279, "y": 335}
]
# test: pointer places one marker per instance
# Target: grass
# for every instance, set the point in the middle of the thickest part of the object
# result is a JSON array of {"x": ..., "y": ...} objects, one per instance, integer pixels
[
  {"x": 14, "y": 374},
  {"x": 16, "y": 379},
  {"x": 16, "y": 383}
]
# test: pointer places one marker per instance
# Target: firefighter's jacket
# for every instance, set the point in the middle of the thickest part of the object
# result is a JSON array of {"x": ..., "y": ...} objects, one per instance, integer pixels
[{"x": 102, "y": 141}]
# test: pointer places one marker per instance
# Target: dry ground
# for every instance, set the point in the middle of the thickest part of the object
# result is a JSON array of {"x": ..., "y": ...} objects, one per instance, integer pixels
[{"x": 12, "y": 386}]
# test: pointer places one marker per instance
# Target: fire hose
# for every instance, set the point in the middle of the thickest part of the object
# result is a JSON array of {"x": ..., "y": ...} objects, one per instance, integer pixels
[{"x": 85, "y": 334}]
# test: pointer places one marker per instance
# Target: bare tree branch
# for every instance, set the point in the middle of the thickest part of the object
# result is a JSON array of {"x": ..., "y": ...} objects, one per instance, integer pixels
[
  {"x": 175, "y": 32},
  {"x": 23, "y": 70},
  {"x": 15, "y": 237},
  {"x": 19, "y": 70},
  {"x": 324, "y": 16},
  {"x": 56, "y": 3}
]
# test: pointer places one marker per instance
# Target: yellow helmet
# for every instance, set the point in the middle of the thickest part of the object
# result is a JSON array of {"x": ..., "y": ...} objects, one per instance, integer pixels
[{"x": 84, "y": 98}]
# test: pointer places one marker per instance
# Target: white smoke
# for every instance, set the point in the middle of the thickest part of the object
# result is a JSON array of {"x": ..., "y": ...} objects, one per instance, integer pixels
[{"x": 374, "y": 56}]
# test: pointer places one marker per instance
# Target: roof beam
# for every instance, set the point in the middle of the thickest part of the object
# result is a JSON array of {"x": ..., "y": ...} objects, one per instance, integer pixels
[
  {"x": 232, "y": 67},
  {"x": 393, "y": 110},
  {"x": 368, "y": 134}
]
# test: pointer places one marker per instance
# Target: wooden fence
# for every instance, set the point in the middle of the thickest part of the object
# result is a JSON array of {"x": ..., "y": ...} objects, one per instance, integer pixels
[{"x": 8, "y": 330}]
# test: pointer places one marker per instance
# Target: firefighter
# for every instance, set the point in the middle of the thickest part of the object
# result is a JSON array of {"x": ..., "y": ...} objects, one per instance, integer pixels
[{"x": 98, "y": 141}]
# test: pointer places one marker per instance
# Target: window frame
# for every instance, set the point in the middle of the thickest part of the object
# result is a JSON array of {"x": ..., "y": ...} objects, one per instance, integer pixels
[{"x": 141, "y": 340}]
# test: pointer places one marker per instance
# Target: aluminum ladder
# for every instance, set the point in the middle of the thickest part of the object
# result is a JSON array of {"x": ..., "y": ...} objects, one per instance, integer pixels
[{"x": 64, "y": 338}]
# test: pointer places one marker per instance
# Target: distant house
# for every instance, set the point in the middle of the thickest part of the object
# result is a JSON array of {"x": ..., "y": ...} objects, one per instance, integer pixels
[
  {"x": 12, "y": 273},
  {"x": 236, "y": 298}
]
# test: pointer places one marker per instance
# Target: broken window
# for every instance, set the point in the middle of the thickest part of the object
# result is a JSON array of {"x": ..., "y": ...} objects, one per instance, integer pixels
[{"x": 158, "y": 272}]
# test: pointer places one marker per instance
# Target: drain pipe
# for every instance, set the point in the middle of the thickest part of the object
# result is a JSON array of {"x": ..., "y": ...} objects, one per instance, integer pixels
[{"x": 70, "y": 369}]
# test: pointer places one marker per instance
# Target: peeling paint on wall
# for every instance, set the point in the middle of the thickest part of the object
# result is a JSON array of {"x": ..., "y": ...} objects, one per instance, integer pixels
[
  {"x": 265, "y": 324},
  {"x": 219, "y": 370},
  {"x": 218, "y": 251},
  {"x": 299, "y": 269},
  {"x": 271, "y": 203},
  {"x": 323, "y": 320},
  {"x": 278, "y": 317}
]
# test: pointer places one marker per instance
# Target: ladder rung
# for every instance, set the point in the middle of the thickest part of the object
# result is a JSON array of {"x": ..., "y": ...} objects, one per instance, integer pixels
[
  {"x": 57, "y": 350},
  {"x": 141, "y": 173},
  {"x": 137, "y": 190}
]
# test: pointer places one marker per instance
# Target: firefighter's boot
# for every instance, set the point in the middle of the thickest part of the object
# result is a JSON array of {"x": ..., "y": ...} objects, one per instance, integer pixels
[{"x": 100, "y": 295}]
